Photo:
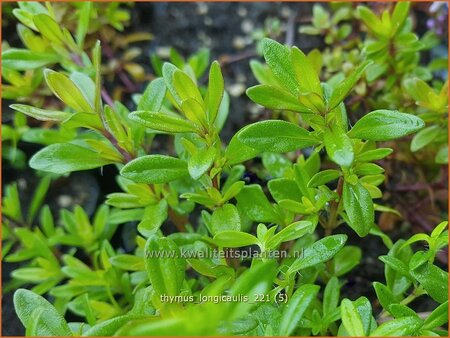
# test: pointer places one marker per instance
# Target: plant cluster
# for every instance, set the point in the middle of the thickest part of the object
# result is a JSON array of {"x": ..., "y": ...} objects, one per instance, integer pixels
[
  {"x": 196, "y": 216},
  {"x": 398, "y": 76}
]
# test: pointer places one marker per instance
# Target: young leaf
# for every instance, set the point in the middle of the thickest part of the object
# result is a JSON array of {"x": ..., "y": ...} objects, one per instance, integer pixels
[
  {"x": 323, "y": 177},
  {"x": 399, "y": 15},
  {"x": 49, "y": 28},
  {"x": 201, "y": 161},
  {"x": 62, "y": 158},
  {"x": 50, "y": 323},
  {"x": 67, "y": 91},
  {"x": 234, "y": 239},
  {"x": 276, "y": 98},
  {"x": 155, "y": 169},
  {"x": 84, "y": 16},
  {"x": 339, "y": 146},
  {"x": 298, "y": 304},
  {"x": 185, "y": 87},
  {"x": 359, "y": 208},
  {"x": 306, "y": 75},
  {"x": 331, "y": 296},
  {"x": 153, "y": 96},
  {"x": 215, "y": 91},
  {"x": 437, "y": 318},
  {"x": 41, "y": 114},
  {"x": 23, "y": 59},
  {"x": 384, "y": 125},
  {"x": 292, "y": 231},
  {"x": 128, "y": 262},
  {"x": 351, "y": 319},
  {"x": 425, "y": 137},
  {"x": 278, "y": 57},
  {"x": 373, "y": 155},
  {"x": 384, "y": 295},
  {"x": 163, "y": 122},
  {"x": 276, "y": 136}
]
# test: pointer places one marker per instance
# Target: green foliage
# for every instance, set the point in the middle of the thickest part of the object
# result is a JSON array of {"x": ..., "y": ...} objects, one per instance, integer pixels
[{"x": 189, "y": 266}]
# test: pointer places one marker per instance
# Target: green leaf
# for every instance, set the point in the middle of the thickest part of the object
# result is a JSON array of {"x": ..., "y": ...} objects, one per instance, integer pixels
[
  {"x": 399, "y": 15},
  {"x": 276, "y": 98},
  {"x": 373, "y": 155},
  {"x": 359, "y": 208},
  {"x": 405, "y": 326},
  {"x": 384, "y": 125},
  {"x": 276, "y": 164},
  {"x": 433, "y": 279},
  {"x": 215, "y": 91},
  {"x": 424, "y": 137},
  {"x": 164, "y": 266},
  {"x": 442, "y": 155},
  {"x": 318, "y": 252},
  {"x": 276, "y": 136},
  {"x": 23, "y": 59},
  {"x": 254, "y": 281},
  {"x": 62, "y": 158},
  {"x": 168, "y": 71},
  {"x": 400, "y": 310},
  {"x": 346, "y": 259},
  {"x": 154, "y": 217},
  {"x": 66, "y": 90},
  {"x": 109, "y": 327},
  {"x": 185, "y": 87},
  {"x": 284, "y": 189},
  {"x": 371, "y": 20},
  {"x": 339, "y": 146},
  {"x": 323, "y": 177},
  {"x": 225, "y": 218},
  {"x": 201, "y": 161},
  {"x": 307, "y": 77},
  {"x": 364, "y": 309},
  {"x": 128, "y": 262},
  {"x": 40, "y": 191},
  {"x": 290, "y": 232},
  {"x": 49, "y": 28},
  {"x": 155, "y": 169},
  {"x": 437, "y": 318},
  {"x": 294, "y": 310},
  {"x": 234, "y": 239},
  {"x": 384, "y": 295},
  {"x": 41, "y": 114},
  {"x": 50, "y": 323},
  {"x": 351, "y": 319},
  {"x": 163, "y": 122},
  {"x": 153, "y": 96},
  {"x": 278, "y": 57},
  {"x": 331, "y": 296},
  {"x": 84, "y": 16},
  {"x": 193, "y": 111},
  {"x": 238, "y": 152},
  {"x": 344, "y": 88},
  {"x": 254, "y": 204}
]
